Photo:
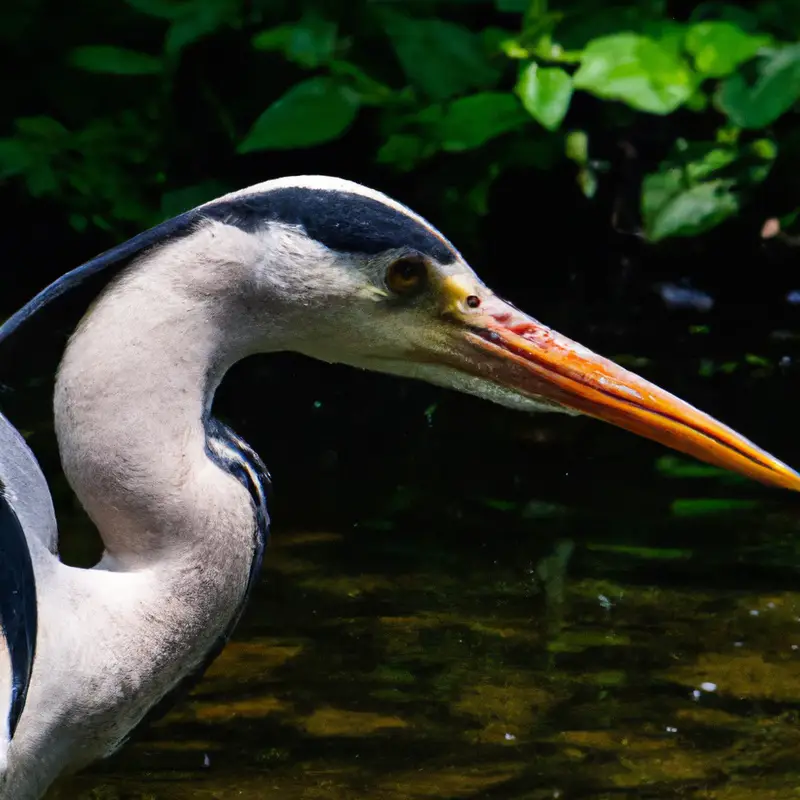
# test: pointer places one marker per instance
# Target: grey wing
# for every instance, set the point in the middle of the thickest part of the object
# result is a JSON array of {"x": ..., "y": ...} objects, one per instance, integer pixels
[
  {"x": 28, "y": 535},
  {"x": 25, "y": 487}
]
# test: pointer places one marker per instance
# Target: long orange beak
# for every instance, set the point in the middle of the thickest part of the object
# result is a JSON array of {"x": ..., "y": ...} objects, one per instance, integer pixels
[{"x": 520, "y": 353}]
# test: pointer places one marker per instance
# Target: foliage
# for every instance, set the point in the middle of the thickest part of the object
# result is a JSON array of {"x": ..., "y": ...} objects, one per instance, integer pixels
[
  {"x": 311, "y": 112},
  {"x": 514, "y": 84}
]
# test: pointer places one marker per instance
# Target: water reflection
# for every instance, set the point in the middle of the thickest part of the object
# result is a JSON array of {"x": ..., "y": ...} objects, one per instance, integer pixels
[{"x": 422, "y": 663}]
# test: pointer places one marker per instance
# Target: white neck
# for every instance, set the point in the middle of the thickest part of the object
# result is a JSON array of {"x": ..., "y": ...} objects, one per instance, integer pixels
[{"x": 132, "y": 392}]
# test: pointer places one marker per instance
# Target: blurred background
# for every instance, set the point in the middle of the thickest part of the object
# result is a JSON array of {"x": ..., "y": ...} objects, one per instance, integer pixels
[{"x": 629, "y": 173}]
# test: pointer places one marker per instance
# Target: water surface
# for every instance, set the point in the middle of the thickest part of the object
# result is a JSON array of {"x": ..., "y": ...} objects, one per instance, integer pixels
[{"x": 654, "y": 657}]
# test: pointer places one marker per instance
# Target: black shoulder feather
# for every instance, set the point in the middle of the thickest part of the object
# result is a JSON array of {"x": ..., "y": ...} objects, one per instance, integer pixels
[{"x": 18, "y": 618}]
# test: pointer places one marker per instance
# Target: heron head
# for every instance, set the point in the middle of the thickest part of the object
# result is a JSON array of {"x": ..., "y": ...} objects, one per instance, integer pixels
[{"x": 367, "y": 282}]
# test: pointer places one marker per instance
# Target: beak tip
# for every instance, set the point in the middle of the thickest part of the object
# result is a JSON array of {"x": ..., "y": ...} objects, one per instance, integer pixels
[
  {"x": 778, "y": 475},
  {"x": 794, "y": 480}
]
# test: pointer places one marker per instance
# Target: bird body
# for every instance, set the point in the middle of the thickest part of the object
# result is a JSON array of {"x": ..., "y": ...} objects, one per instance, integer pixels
[{"x": 316, "y": 265}]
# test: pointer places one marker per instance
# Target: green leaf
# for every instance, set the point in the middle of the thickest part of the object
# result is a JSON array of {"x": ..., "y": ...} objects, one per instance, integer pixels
[
  {"x": 765, "y": 148},
  {"x": 41, "y": 180},
  {"x": 313, "y": 42},
  {"x": 671, "y": 207},
  {"x": 512, "y": 48},
  {"x": 15, "y": 157},
  {"x": 698, "y": 186},
  {"x": 545, "y": 94},
  {"x": 370, "y": 91},
  {"x": 494, "y": 40},
  {"x": 669, "y": 34},
  {"x": 694, "y": 506},
  {"x": 587, "y": 181},
  {"x": 309, "y": 43},
  {"x": 675, "y": 467},
  {"x": 757, "y": 361},
  {"x": 774, "y": 91},
  {"x": 277, "y": 38},
  {"x": 402, "y": 150},
  {"x": 440, "y": 58},
  {"x": 719, "y": 48},
  {"x": 311, "y": 112},
  {"x": 701, "y": 162},
  {"x": 192, "y": 27},
  {"x": 501, "y": 505},
  {"x": 576, "y": 147},
  {"x": 471, "y": 121},
  {"x": 636, "y": 70},
  {"x": 41, "y": 127},
  {"x": 655, "y": 553},
  {"x": 698, "y": 101},
  {"x": 114, "y": 60}
]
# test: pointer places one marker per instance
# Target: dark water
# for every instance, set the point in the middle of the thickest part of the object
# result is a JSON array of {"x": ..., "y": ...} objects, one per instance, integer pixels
[
  {"x": 596, "y": 619},
  {"x": 415, "y": 664}
]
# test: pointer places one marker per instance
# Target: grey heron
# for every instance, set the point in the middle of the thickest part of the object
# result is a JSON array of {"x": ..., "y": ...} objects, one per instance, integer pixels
[{"x": 312, "y": 264}]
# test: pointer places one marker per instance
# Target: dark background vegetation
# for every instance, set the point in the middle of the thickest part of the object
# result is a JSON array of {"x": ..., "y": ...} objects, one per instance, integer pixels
[{"x": 626, "y": 172}]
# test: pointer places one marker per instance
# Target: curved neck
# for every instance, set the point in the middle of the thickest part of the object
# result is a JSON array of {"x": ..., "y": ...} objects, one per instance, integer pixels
[{"x": 132, "y": 395}]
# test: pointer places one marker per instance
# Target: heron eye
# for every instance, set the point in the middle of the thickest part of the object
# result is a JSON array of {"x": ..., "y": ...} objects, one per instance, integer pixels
[
  {"x": 473, "y": 301},
  {"x": 407, "y": 276}
]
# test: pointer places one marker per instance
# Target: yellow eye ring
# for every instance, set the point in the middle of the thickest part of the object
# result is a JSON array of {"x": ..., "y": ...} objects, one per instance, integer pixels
[{"x": 407, "y": 276}]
